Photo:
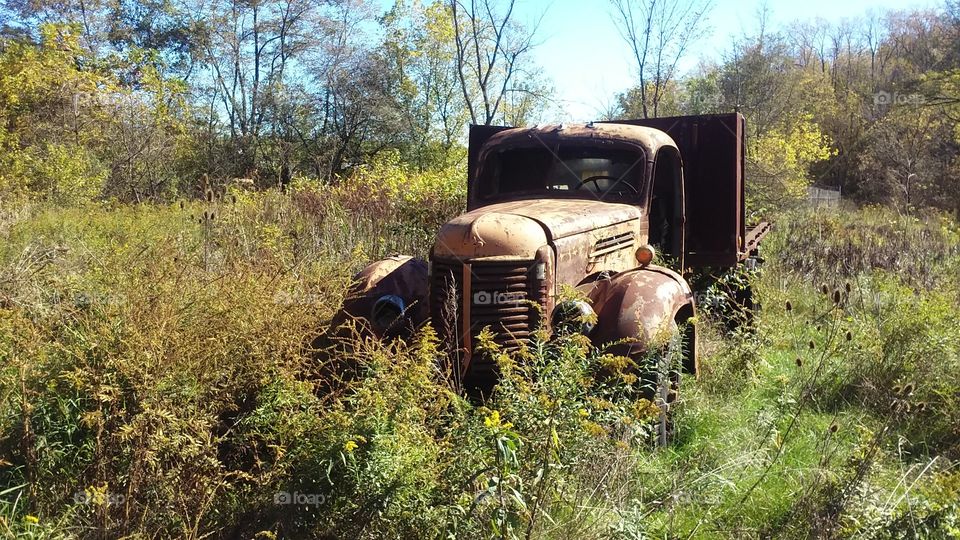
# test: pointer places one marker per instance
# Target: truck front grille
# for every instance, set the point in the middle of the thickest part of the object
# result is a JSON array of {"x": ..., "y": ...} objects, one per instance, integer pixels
[{"x": 503, "y": 295}]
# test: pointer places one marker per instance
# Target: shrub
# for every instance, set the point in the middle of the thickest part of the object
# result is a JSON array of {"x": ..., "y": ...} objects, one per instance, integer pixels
[
  {"x": 157, "y": 379},
  {"x": 836, "y": 246}
]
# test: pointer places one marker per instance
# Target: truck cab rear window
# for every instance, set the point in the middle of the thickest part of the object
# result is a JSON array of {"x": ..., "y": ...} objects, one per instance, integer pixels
[{"x": 577, "y": 171}]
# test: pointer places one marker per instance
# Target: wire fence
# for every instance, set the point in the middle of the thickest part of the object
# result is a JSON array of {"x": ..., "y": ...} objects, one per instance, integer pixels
[{"x": 824, "y": 198}]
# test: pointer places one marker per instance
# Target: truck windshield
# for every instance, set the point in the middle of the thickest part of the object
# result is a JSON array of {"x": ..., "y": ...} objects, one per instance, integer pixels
[{"x": 601, "y": 173}]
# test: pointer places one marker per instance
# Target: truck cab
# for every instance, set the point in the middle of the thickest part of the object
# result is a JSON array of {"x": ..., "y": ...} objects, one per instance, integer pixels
[{"x": 617, "y": 211}]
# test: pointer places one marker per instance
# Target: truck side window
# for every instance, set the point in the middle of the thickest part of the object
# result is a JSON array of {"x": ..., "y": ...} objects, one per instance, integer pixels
[
  {"x": 522, "y": 171},
  {"x": 666, "y": 203}
]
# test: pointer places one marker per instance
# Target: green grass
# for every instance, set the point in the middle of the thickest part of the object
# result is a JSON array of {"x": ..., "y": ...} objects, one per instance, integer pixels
[{"x": 157, "y": 380}]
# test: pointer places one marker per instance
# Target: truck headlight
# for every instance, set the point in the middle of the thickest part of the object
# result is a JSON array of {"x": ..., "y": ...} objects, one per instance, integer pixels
[
  {"x": 645, "y": 255},
  {"x": 573, "y": 316},
  {"x": 540, "y": 271},
  {"x": 386, "y": 311}
]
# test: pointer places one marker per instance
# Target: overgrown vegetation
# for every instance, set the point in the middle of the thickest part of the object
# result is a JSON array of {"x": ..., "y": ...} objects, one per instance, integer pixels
[
  {"x": 158, "y": 380},
  {"x": 186, "y": 189}
]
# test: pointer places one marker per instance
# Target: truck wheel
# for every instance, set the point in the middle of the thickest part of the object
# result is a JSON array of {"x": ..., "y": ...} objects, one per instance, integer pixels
[
  {"x": 660, "y": 384},
  {"x": 662, "y": 381},
  {"x": 669, "y": 387},
  {"x": 744, "y": 308}
]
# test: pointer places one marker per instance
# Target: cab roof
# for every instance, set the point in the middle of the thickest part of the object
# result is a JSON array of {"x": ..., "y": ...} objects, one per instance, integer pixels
[{"x": 644, "y": 138}]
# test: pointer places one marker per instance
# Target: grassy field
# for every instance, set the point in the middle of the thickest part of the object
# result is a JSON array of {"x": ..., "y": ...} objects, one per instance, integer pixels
[{"x": 157, "y": 380}]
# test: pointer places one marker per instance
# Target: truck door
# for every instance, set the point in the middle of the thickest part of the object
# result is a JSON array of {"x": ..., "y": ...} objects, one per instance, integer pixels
[
  {"x": 666, "y": 206},
  {"x": 712, "y": 150}
]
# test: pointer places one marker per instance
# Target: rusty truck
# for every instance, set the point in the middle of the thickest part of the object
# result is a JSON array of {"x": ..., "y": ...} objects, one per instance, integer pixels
[{"x": 620, "y": 211}]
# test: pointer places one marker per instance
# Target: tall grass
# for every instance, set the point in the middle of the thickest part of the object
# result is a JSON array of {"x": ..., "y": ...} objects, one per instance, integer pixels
[{"x": 157, "y": 380}]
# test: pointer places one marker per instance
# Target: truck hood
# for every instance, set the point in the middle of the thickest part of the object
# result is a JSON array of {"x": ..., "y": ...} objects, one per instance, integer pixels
[
  {"x": 519, "y": 228},
  {"x": 564, "y": 217}
]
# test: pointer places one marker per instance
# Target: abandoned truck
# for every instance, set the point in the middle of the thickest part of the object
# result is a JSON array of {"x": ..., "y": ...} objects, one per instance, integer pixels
[{"x": 586, "y": 206}]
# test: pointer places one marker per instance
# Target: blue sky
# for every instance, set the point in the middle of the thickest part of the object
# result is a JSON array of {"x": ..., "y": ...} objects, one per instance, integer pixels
[{"x": 588, "y": 63}]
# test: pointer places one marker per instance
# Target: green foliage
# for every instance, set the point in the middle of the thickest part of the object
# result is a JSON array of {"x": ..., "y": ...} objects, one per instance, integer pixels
[
  {"x": 896, "y": 277},
  {"x": 71, "y": 130},
  {"x": 419, "y": 47},
  {"x": 36, "y": 82},
  {"x": 831, "y": 246},
  {"x": 779, "y": 162},
  {"x": 125, "y": 370},
  {"x": 408, "y": 206},
  {"x": 158, "y": 378},
  {"x": 876, "y": 117},
  {"x": 62, "y": 174}
]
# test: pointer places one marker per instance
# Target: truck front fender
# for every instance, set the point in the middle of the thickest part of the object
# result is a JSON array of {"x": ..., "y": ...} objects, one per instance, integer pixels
[
  {"x": 397, "y": 284},
  {"x": 639, "y": 307}
]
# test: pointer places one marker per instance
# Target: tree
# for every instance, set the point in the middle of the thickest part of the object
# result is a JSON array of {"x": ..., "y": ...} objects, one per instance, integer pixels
[
  {"x": 658, "y": 33},
  {"x": 420, "y": 51},
  {"x": 492, "y": 50},
  {"x": 779, "y": 162},
  {"x": 249, "y": 49},
  {"x": 907, "y": 160},
  {"x": 49, "y": 122}
]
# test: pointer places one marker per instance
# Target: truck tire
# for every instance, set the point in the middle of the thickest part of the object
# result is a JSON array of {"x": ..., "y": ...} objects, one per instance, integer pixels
[
  {"x": 660, "y": 383},
  {"x": 669, "y": 361}
]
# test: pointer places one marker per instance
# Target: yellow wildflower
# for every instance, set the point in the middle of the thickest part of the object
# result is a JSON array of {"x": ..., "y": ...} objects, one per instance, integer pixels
[
  {"x": 594, "y": 429},
  {"x": 32, "y": 519},
  {"x": 350, "y": 446},
  {"x": 493, "y": 421}
]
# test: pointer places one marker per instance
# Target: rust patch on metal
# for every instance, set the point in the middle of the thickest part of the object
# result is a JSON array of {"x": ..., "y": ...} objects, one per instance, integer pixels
[
  {"x": 403, "y": 276},
  {"x": 636, "y": 305}
]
